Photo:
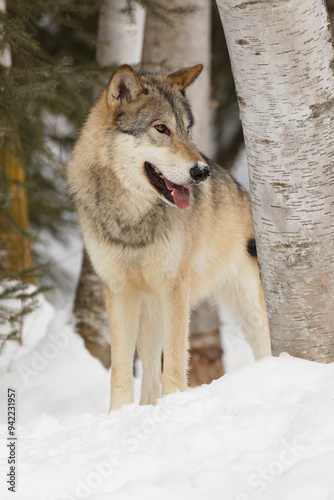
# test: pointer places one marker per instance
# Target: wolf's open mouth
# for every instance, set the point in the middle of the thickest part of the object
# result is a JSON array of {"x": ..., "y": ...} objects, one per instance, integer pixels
[{"x": 174, "y": 193}]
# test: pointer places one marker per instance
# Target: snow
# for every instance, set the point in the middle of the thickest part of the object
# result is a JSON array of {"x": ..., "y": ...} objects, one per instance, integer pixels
[
  {"x": 240, "y": 170},
  {"x": 263, "y": 431}
]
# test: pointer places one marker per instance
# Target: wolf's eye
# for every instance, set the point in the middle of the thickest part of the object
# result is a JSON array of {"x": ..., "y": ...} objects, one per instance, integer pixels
[
  {"x": 188, "y": 130},
  {"x": 162, "y": 129}
]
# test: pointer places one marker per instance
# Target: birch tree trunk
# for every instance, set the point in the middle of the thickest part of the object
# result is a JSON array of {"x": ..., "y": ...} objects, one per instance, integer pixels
[
  {"x": 122, "y": 39},
  {"x": 122, "y": 43},
  {"x": 186, "y": 43},
  {"x": 282, "y": 60}
]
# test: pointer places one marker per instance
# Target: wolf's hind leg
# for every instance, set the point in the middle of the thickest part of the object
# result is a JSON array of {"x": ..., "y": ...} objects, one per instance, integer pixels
[
  {"x": 149, "y": 347},
  {"x": 123, "y": 314},
  {"x": 244, "y": 296}
]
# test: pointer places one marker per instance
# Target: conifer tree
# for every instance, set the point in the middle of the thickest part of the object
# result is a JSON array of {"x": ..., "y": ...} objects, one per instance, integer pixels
[{"x": 36, "y": 79}]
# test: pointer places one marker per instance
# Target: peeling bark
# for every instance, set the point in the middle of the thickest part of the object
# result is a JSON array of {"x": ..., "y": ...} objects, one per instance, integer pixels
[{"x": 284, "y": 79}]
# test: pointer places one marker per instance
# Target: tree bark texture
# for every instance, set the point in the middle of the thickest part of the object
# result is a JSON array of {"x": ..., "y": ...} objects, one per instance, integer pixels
[
  {"x": 122, "y": 39},
  {"x": 282, "y": 60},
  {"x": 90, "y": 312},
  {"x": 186, "y": 43},
  {"x": 206, "y": 351},
  {"x": 15, "y": 253}
]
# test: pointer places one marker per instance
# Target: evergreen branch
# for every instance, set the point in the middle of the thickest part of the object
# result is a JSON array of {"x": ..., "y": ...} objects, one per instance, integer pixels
[
  {"x": 38, "y": 80},
  {"x": 5, "y": 128},
  {"x": 29, "y": 89},
  {"x": 13, "y": 28},
  {"x": 64, "y": 65}
]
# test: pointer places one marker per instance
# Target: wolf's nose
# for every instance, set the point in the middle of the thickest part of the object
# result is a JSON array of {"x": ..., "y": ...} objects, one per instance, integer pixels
[{"x": 200, "y": 172}]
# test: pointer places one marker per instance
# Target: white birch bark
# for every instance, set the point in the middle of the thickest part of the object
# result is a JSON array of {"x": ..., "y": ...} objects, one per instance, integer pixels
[
  {"x": 186, "y": 43},
  {"x": 282, "y": 60},
  {"x": 123, "y": 40}
]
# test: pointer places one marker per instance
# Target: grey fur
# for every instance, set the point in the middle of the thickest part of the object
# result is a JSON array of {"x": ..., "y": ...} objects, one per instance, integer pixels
[{"x": 158, "y": 252}]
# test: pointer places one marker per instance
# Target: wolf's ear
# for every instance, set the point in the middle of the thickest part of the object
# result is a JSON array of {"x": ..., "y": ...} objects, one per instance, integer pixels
[
  {"x": 124, "y": 85},
  {"x": 186, "y": 76}
]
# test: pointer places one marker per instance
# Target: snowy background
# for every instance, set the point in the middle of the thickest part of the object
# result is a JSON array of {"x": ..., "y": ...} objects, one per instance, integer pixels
[{"x": 263, "y": 431}]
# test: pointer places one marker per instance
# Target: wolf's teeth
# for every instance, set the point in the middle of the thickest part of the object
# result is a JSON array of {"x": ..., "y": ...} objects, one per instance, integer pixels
[{"x": 157, "y": 172}]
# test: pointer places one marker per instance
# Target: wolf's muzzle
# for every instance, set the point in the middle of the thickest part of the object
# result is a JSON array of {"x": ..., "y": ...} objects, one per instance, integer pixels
[{"x": 200, "y": 172}]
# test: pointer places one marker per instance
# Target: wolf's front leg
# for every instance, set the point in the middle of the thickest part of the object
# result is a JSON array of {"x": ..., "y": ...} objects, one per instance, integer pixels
[
  {"x": 176, "y": 324},
  {"x": 149, "y": 348},
  {"x": 123, "y": 314}
]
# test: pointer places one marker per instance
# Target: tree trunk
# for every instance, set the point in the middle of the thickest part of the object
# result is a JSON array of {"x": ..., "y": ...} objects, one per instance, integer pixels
[
  {"x": 282, "y": 60},
  {"x": 122, "y": 39},
  {"x": 122, "y": 43},
  {"x": 205, "y": 346},
  {"x": 185, "y": 44},
  {"x": 15, "y": 253},
  {"x": 90, "y": 312}
]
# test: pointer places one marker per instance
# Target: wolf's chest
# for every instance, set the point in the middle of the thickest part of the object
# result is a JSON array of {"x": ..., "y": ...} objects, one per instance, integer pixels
[
  {"x": 136, "y": 231},
  {"x": 146, "y": 269}
]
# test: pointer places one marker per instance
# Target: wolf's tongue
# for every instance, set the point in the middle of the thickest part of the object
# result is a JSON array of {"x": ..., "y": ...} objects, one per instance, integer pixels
[{"x": 181, "y": 194}]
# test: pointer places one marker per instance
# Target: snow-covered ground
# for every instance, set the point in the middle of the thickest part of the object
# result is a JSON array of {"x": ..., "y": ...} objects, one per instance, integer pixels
[{"x": 263, "y": 431}]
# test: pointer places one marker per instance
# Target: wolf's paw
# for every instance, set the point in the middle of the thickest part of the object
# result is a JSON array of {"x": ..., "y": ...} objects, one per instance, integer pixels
[
  {"x": 150, "y": 396},
  {"x": 120, "y": 397},
  {"x": 172, "y": 385}
]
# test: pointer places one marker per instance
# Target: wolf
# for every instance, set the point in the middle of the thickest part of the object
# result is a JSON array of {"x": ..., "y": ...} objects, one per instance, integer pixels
[{"x": 164, "y": 228}]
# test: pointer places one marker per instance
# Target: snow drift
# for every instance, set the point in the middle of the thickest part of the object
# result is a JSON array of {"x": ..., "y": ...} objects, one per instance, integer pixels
[{"x": 263, "y": 431}]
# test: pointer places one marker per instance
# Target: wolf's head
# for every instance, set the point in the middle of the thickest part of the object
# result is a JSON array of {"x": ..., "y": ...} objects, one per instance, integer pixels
[{"x": 150, "y": 122}]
